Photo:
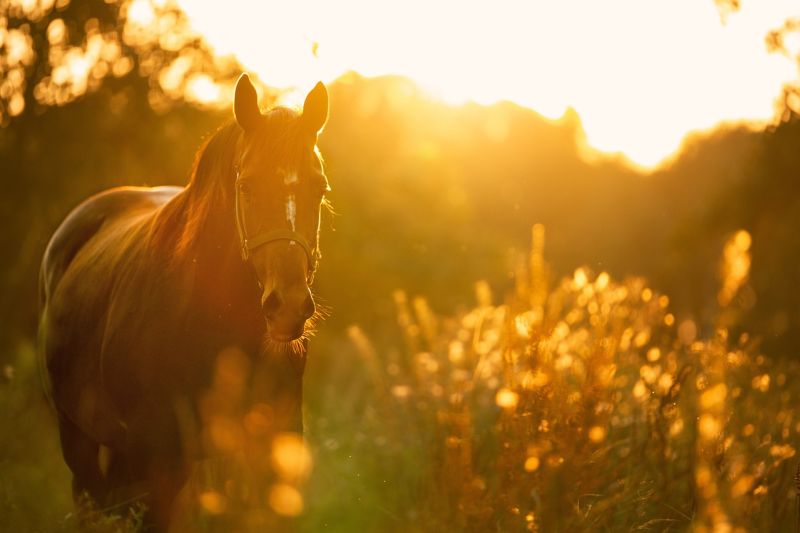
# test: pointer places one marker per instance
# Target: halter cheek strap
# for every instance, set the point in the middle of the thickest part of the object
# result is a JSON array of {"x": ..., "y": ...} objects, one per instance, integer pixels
[{"x": 250, "y": 243}]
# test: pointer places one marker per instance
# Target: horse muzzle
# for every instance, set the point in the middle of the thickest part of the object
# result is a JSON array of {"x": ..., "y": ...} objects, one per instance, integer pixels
[{"x": 287, "y": 311}]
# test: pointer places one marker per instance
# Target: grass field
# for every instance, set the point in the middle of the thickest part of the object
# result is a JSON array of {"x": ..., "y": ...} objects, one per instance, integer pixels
[{"x": 576, "y": 404}]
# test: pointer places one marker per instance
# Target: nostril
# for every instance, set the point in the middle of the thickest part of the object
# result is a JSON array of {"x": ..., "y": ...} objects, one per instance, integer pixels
[
  {"x": 308, "y": 307},
  {"x": 271, "y": 303}
]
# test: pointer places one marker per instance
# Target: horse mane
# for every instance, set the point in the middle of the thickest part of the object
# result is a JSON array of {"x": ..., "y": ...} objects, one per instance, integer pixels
[{"x": 212, "y": 176}]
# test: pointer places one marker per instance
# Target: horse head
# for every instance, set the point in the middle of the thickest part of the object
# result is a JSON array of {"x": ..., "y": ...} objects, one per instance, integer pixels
[{"x": 280, "y": 189}]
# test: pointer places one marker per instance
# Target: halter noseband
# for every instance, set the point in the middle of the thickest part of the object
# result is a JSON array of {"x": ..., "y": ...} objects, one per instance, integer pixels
[{"x": 250, "y": 243}]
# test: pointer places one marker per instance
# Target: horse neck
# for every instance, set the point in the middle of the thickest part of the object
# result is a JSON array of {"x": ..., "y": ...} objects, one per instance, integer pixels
[
  {"x": 198, "y": 231},
  {"x": 217, "y": 246}
]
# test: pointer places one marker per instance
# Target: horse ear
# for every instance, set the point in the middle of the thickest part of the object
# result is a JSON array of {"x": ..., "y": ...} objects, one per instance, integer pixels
[
  {"x": 245, "y": 104},
  {"x": 315, "y": 108}
]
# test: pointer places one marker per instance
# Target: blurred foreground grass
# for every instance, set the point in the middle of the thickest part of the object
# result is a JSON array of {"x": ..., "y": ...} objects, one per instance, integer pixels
[
  {"x": 582, "y": 404},
  {"x": 35, "y": 493}
]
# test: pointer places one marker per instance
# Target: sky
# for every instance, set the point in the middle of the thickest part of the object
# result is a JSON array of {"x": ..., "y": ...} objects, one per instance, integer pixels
[{"x": 641, "y": 74}]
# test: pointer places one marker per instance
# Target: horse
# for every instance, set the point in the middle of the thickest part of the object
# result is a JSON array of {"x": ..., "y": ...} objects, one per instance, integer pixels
[{"x": 142, "y": 289}]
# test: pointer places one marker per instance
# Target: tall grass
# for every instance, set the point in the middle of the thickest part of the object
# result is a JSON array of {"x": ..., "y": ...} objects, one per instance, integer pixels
[
  {"x": 583, "y": 404},
  {"x": 574, "y": 404}
]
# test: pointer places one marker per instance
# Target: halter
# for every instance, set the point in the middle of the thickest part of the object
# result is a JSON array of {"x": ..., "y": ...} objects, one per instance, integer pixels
[{"x": 250, "y": 243}]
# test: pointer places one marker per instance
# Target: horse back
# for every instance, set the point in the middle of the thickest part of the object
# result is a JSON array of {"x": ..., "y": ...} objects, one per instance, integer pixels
[{"x": 89, "y": 219}]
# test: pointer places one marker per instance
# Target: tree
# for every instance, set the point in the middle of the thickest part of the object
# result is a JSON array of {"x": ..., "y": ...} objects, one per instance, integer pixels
[
  {"x": 53, "y": 52},
  {"x": 776, "y": 42}
]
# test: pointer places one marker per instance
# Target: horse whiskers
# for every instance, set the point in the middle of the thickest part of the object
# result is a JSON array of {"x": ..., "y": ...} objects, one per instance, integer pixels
[
  {"x": 297, "y": 346},
  {"x": 294, "y": 347},
  {"x": 321, "y": 313}
]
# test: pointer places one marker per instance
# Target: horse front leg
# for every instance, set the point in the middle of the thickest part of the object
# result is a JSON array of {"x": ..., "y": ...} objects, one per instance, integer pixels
[
  {"x": 164, "y": 483},
  {"x": 81, "y": 453},
  {"x": 156, "y": 457}
]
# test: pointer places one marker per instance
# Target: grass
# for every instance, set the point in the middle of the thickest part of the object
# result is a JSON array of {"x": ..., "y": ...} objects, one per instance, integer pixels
[
  {"x": 35, "y": 493},
  {"x": 579, "y": 404}
]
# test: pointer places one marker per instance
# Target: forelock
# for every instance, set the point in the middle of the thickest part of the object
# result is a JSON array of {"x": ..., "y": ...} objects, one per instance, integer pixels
[{"x": 279, "y": 137}]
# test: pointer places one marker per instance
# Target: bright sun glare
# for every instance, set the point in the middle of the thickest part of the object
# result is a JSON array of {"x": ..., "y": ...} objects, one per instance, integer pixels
[{"x": 640, "y": 73}]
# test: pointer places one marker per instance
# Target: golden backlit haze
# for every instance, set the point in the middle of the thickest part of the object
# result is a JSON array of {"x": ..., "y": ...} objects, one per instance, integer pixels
[
  {"x": 564, "y": 392},
  {"x": 641, "y": 75}
]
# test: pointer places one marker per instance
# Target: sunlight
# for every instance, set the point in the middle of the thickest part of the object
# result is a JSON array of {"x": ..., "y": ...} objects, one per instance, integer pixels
[
  {"x": 79, "y": 67},
  {"x": 141, "y": 12},
  {"x": 202, "y": 89},
  {"x": 641, "y": 75}
]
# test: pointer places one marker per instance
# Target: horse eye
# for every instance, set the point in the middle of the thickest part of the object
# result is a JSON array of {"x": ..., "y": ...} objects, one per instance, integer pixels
[{"x": 244, "y": 189}]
